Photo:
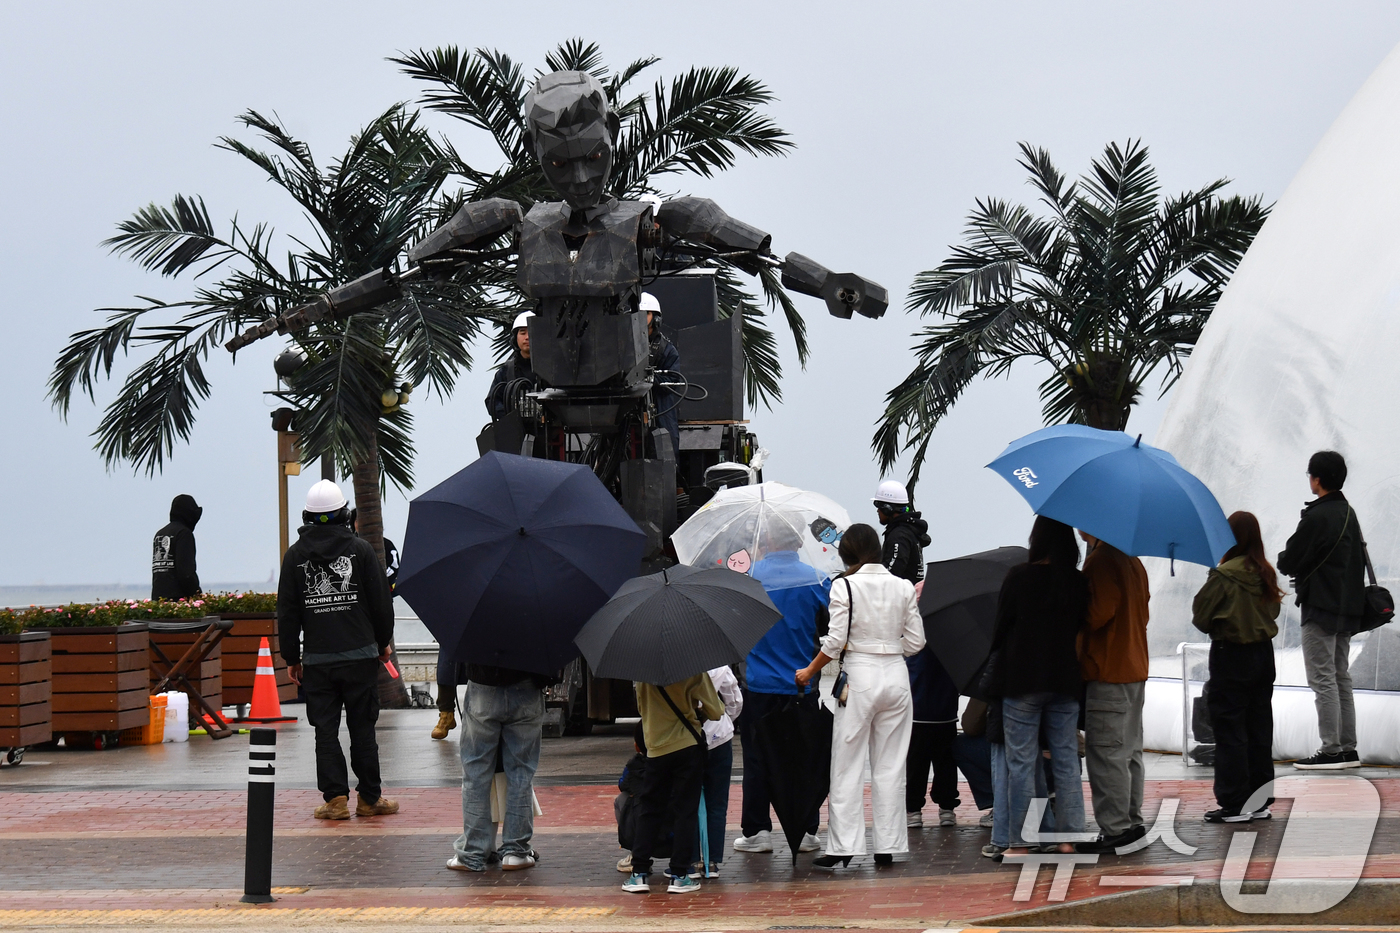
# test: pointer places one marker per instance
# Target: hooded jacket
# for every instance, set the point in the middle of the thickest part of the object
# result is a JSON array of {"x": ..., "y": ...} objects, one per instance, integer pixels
[
  {"x": 1326, "y": 557},
  {"x": 333, "y": 592},
  {"x": 906, "y": 536},
  {"x": 1232, "y": 605},
  {"x": 173, "y": 573}
]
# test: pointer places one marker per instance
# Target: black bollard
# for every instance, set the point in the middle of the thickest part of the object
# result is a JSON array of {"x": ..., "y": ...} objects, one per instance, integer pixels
[{"x": 257, "y": 862}]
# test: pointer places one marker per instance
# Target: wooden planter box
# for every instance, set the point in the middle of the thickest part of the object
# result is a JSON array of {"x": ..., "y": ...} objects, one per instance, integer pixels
[
  {"x": 240, "y": 657},
  {"x": 26, "y": 713},
  {"x": 207, "y": 680},
  {"x": 101, "y": 677}
]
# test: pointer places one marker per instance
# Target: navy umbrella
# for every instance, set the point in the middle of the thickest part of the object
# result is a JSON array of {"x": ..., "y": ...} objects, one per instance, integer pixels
[
  {"x": 506, "y": 560},
  {"x": 663, "y": 628}
]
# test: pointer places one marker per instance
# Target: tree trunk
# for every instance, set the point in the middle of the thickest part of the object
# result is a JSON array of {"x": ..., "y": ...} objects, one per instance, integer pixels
[
  {"x": 1107, "y": 415},
  {"x": 393, "y": 694}
]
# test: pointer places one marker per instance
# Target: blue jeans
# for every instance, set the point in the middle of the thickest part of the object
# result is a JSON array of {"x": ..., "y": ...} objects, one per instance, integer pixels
[
  {"x": 719, "y": 766},
  {"x": 1001, "y": 799},
  {"x": 1021, "y": 719},
  {"x": 511, "y": 718}
]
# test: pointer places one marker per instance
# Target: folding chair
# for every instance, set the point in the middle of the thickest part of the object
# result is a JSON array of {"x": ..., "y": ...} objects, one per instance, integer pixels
[{"x": 210, "y": 631}]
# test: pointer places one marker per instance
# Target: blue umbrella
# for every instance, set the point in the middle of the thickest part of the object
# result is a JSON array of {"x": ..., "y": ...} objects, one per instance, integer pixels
[
  {"x": 1120, "y": 490},
  {"x": 506, "y": 560}
]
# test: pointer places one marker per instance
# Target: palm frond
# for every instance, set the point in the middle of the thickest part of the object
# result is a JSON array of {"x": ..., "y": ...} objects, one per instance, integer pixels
[
  {"x": 485, "y": 89},
  {"x": 171, "y": 240},
  {"x": 1114, "y": 284},
  {"x": 700, "y": 125},
  {"x": 763, "y": 373}
]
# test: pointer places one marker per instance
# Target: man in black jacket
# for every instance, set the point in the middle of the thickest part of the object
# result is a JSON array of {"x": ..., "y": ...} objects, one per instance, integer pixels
[
  {"x": 515, "y": 375},
  {"x": 906, "y": 533},
  {"x": 1327, "y": 560},
  {"x": 173, "y": 573},
  {"x": 333, "y": 595},
  {"x": 664, "y": 360}
]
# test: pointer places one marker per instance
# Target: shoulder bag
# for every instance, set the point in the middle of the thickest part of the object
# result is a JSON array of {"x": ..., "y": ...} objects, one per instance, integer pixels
[
  {"x": 841, "y": 689},
  {"x": 1380, "y": 605},
  {"x": 699, "y": 737}
]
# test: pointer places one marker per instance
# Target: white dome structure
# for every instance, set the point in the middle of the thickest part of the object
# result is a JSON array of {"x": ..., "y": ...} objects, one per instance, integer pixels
[{"x": 1302, "y": 354}]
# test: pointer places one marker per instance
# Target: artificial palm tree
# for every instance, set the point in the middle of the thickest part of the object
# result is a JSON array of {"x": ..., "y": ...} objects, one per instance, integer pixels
[
  {"x": 697, "y": 123},
  {"x": 364, "y": 209},
  {"x": 1113, "y": 284}
]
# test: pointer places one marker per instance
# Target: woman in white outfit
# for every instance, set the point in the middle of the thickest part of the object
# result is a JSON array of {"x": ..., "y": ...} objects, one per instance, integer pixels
[{"x": 875, "y": 621}]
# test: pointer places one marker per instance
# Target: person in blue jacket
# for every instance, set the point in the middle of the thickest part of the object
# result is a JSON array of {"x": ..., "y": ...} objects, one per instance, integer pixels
[{"x": 801, "y": 594}]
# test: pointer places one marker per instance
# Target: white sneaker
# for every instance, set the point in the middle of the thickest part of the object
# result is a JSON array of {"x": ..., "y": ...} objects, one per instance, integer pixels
[
  {"x": 761, "y": 841},
  {"x": 810, "y": 843},
  {"x": 457, "y": 864},
  {"x": 947, "y": 818},
  {"x": 1264, "y": 814},
  {"x": 986, "y": 821},
  {"x": 517, "y": 862},
  {"x": 914, "y": 819}
]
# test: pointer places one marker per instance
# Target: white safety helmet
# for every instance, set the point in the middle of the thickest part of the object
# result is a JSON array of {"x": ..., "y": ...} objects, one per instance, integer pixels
[
  {"x": 892, "y": 493},
  {"x": 522, "y": 320},
  {"x": 649, "y": 303},
  {"x": 325, "y": 497}
]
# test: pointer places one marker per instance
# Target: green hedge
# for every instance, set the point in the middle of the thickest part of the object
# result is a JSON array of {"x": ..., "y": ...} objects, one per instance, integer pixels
[{"x": 116, "y": 611}]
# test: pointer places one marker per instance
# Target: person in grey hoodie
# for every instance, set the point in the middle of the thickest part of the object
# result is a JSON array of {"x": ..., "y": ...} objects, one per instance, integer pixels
[{"x": 1238, "y": 608}]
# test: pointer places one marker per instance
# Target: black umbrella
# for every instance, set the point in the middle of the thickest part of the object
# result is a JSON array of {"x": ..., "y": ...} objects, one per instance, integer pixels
[
  {"x": 959, "y": 606},
  {"x": 507, "y": 559},
  {"x": 663, "y": 628},
  {"x": 794, "y": 742}
]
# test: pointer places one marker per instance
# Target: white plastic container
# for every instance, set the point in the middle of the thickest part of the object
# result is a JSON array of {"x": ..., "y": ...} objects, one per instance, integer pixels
[{"x": 177, "y": 716}]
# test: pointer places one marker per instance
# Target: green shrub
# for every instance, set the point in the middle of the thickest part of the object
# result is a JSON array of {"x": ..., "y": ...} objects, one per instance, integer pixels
[{"x": 117, "y": 611}]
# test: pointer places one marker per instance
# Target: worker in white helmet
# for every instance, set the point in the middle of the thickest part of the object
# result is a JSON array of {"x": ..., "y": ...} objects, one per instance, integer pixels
[
  {"x": 516, "y": 375},
  {"x": 935, "y": 697},
  {"x": 664, "y": 360},
  {"x": 335, "y": 622},
  {"x": 906, "y": 533}
]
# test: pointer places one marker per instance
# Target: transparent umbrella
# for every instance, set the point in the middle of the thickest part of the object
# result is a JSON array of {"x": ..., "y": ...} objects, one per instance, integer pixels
[{"x": 742, "y": 525}]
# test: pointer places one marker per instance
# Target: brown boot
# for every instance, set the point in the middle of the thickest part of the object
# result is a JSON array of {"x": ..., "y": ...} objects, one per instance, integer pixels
[
  {"x": 337, "y": 808},
  {"x": 446, "y": 723},
  {"x": 381, "y": 807}
]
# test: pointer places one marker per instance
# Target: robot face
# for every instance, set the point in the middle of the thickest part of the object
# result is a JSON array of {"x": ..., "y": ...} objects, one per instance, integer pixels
[
  {"x": 571, "y": 130},
  {"x": 579, "y": 166}
]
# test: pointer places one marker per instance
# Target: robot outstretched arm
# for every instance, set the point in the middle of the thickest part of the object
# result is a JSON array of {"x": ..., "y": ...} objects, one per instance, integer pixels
[
  {"x": 701, "y": 220},
  {"x": 475, "y": 225}
]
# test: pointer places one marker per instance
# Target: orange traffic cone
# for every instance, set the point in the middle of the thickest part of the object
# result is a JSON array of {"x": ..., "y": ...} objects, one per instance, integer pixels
[{"x": 266, "y": 705}]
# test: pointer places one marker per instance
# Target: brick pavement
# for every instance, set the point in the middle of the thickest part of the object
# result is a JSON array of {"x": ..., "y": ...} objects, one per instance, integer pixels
[{"x": 173, "y": 851}]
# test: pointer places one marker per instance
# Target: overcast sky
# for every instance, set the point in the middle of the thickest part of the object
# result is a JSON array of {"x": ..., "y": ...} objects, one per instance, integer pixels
[{"x": 902, "y": 115}]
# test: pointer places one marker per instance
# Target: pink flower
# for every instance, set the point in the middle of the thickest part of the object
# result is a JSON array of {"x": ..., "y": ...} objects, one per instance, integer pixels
[{"x": 199, "y": 602}]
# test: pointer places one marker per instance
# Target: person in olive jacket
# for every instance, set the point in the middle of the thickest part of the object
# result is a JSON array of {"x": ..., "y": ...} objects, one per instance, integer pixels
[
  {"x": 1238, "y": 608},
  {"x": 1326, "y": 557}
]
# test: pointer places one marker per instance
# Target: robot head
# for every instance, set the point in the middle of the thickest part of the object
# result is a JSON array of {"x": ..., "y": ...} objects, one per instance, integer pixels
[{"x": 571, "y": 128}]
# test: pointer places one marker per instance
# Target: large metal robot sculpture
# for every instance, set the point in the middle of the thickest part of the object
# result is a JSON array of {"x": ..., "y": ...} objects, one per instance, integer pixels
[{"x": 584, "y": 262}]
